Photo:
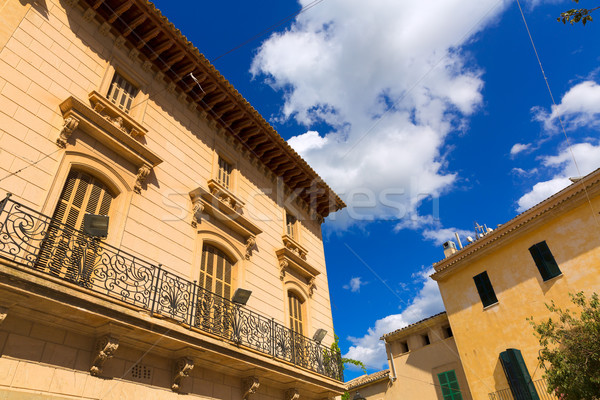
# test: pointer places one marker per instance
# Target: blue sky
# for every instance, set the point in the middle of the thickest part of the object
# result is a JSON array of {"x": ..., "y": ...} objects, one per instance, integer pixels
[{"x": 424, "y": 117}]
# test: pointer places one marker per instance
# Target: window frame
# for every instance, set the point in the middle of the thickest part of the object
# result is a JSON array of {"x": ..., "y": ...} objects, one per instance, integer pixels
[
  {"x": 122, "y": 95},
  {"x": 544, "y": 261},
  {"x": 292, "y": 228},
  {"x": 294, "y": 321},
  {"x": 485, "y": 289},
  {"x": 448, "y": 392}
]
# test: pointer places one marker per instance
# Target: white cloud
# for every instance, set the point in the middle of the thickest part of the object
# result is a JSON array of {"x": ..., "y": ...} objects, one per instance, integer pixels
[
  {"x": 390, "y": 80},
  {"x": 355, "y": 284},
  {"x": 579, "y": 107},
  {"x": 370, "y": 350},
  {"x": 439, "y": 236},
  {"x": 588, "y": 159},
  {"x": 518, "y": 148}
]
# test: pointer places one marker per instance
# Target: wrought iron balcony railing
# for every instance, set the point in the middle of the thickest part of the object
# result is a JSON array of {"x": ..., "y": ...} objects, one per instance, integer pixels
[
  {"x": 524, "y": 393},
  {"x": 36, "y": 241}
]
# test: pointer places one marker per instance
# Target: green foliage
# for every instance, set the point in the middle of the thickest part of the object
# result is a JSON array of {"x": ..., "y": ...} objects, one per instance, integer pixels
[
  {"x": 570, "y": 349},
  {"x": 576, "y": 15},
  {"x": 335, "y": 348}
]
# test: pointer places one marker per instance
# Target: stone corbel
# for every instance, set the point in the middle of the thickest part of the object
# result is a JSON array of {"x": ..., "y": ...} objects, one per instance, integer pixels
[
  {"x": 120, "y": 42},
  {"x": 311, "y": 286},
  {"x": 249, "y": 386},
  {"x": 292, "y": 394},
  {"x": 142, "y": 174},
  {"x": 160, "y": 76},
  {"x": 197, "y": 210},
  {"x": 69, "y": 126},
  {"x": 89, "y": 14},
  {"x": 133, "y": 54},
  {"x": 71, "y": 3},
  {"x": 3, "y": 314},
  {"x": 104, "y": 28},
  {"x": 147, "y": 65},
  {"x": 182, "y": 369},
  {"x": 250, "y": 243},
  {"x": 283, "y": 264},
  {"x": 105, "y": 348},
  {"x": 171, "y": 87}
]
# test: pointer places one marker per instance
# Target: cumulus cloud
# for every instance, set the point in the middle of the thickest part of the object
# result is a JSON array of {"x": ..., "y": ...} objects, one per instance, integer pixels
[
  {"x": 370, "y": 350},
  {"x": 439, "y": 236},
  {"x": 588, "y": 159},
  {"x": 579, "y": 107},
  {"x": 518, "y": 148},
  {"x": 355, "y": 284},
  {"x": 389, "y": 81}
]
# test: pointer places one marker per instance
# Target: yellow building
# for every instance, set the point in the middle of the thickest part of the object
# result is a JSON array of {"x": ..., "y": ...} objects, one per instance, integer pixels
[
  {"x": 492, "y": 285},
  {"x": 424, "y": 365},
  {"x": 160, "y": 239}
]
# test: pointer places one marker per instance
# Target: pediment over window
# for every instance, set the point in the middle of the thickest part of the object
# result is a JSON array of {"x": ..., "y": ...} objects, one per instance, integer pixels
[
  {"x": 291, "y": 260},
  {"x": 110, "y": 126},
  {"x": 221, "y": 212}
]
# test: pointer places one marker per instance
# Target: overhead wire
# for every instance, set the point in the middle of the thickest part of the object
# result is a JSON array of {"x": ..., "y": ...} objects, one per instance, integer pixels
[{"x": 557, "y": 109}]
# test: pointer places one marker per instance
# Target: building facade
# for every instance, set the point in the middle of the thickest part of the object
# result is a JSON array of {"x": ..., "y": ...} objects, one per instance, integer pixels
[
  {"x": 424, "y": 365},
  {"x": 144, "y": 200},
  {"x": 492, "y": 286}
]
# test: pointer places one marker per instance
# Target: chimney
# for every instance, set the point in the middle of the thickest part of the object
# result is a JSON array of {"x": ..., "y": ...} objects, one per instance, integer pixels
[{"x": 449, "y": 248}]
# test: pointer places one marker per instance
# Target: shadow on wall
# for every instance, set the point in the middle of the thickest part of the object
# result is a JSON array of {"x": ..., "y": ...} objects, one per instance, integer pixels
[{"x": 39, "y": 5}]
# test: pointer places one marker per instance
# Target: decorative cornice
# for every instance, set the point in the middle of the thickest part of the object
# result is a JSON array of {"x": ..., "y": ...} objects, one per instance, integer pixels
[
  {"x": 567, "y": 199},
  {"x": 174, "y": 57},
  {"x": 290, "y": 260}
]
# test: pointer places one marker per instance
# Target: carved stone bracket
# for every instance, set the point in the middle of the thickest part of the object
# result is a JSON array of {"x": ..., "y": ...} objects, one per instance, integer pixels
[
  {"x": 89, "y": 14},
  {"x": 182, "y": 369},
  {"x": 292, "y": 394},
  {"x": 142, "y": 174},
  {"x": 250, "y": 243},
  {"x": 197, "y": 210},
  {"x": 105, "y": 348},
  {"x": 311, "y": 286},
  {"x": 294, "y": 246},
  {"x": 69, "y": 126},
  {"x": 120, "y": 42},
  {"x": 3, "y": 314},
  {"x": 104, "y": 28},
  {"x": 224, "y": 195},
  {"x": 249, "y": 386},
  {"x": 283, "y": 264},
  {"x": 115, "y": 116}
]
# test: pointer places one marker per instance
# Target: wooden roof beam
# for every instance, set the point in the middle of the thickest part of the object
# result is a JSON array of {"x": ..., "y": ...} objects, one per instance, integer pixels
[
  {"x": 274, "y": 153},
  {"x": 257, "y": 140},
  {"x": 134, "y": 24},
  {"x": 97, "y": 4},
  {"x": 120, "y": 10},
  {"x": 263, "y": 148},
  {"x": 174, "y": 59},
  {"x": 184, "y": 71},
  {"x": 161, "y": 48},
  {"x": 213, "y": 101},
  {"x": 234, "y": 116},
  {"x": 249, "y": 132},
  {"x": 148, "y": 36},
  {"x": 224, "y": 109}
]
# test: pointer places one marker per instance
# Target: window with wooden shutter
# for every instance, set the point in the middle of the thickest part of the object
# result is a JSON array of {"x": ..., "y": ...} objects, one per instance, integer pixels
[
  {"x": 485, "y": 289},
  {"x": 544, "y": 260},
  {"x": 224, "y": 175},
  {"x": 449, "y": 385},
  {"x": 215, "y": 271},
  {"x": 122, "y": 92},
  {"x": 295, "y": 305},
  {"x": 291, "y": 226},
  {"x": 517, "y": 375},
  {"x": 66, "y": 251}
]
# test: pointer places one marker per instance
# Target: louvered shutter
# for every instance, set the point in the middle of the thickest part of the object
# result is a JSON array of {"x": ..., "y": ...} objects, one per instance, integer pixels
[
  {"x": 449, "y": 385},
  {"x": 485, "y": 289},
  {"x": 544, "y": 260},
  {"x": 517, "y": 375}
]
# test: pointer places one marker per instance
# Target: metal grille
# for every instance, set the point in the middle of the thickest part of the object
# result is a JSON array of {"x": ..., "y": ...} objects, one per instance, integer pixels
[
  {"x": 225, "y": 169},
  {"x": 125, "y": 277},
  {"x": 523, "y": 394},
  {"x": 122, "y": 92},
  {"x": 141, "y": 373}
]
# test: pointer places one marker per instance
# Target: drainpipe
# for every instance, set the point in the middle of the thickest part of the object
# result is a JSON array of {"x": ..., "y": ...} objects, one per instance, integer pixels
[{"x": 390, "y": 361}]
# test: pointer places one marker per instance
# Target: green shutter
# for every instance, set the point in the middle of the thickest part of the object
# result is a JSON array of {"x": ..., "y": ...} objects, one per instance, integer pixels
[
  {"x": 449, "y": 385},
  {"x": 544, "y": 260},
  {"x": 517, "y": 375},
  {"x": 485, "y": 289}
]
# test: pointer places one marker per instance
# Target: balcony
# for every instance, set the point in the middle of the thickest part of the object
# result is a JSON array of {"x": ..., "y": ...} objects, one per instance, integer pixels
[
  {"x": 524, "y": 394},
  {"x": 36, "y": 243}
]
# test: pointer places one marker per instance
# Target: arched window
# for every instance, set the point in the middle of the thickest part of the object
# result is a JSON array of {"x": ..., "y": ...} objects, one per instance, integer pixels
[
  {"x": 215, "y": 271},
  {"x": 296, "y": 314},
  {"x": 65, "y": 252}
]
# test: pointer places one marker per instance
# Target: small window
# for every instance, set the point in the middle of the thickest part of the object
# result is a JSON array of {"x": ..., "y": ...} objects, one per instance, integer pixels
[
  {"x": 224, "y": 175},
  {"x": 426, "y": 340},
  {"x": 449, "y": 385},
  {"x": 485, "y": 289},
  {"x": 403, "y": 347},
  {"x": 291, "y": 227},
  {"x": 544, "y": 260},
  {"x": 122, "y": 92},
  {"x": 447, "y": 332}
]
